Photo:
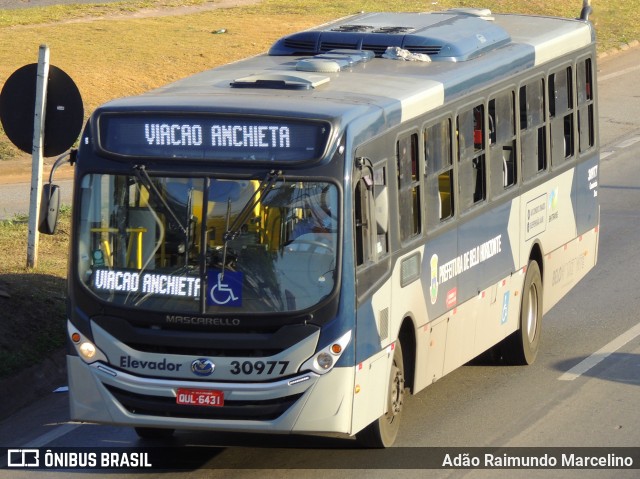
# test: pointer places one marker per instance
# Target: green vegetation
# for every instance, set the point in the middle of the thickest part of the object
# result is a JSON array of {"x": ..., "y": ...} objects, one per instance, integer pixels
[{"x": 32, "y": 323}]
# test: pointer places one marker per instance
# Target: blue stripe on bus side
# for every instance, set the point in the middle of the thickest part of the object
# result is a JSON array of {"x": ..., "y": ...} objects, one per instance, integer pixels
[
  {"x": 466, "y": 260},
  {"x": 584, "y": 195},
  {"x": 368, "y": 340}
]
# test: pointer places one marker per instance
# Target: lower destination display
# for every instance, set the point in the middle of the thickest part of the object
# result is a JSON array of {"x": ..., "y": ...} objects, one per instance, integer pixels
[{"x": 123, "y": 281}]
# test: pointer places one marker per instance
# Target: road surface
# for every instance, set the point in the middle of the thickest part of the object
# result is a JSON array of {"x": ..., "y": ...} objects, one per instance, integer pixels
[{"x": 583, "y": 390}]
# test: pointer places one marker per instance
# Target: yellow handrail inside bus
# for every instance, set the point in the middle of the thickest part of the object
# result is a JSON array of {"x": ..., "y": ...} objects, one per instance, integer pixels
[{"x": 107, "y": 250}]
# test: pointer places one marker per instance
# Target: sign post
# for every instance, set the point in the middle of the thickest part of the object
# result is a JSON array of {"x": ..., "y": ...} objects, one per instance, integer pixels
[
  {"x": 37, "y": 155},
  {"x": 23, "y": 110}
]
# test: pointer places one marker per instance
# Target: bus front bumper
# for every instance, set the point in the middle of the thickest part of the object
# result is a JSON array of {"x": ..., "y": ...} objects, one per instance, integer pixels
[{"x": 305, "y": 403}]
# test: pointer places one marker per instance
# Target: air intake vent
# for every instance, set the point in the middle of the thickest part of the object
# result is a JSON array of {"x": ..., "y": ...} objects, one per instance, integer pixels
[
  {"x": 453, "y": 35},
  {"x": 431, "y": 50},
  {"x": 377, "y": 49},
  {"x": 384, "y": 324},
  {"x": 300, "y": 46},
  {"x": 328, "y": 46}
]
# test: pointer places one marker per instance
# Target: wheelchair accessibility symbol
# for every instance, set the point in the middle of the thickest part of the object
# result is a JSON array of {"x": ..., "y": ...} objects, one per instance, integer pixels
[
  {"x": 505, "y": 308},
  {"x": 224, "y": 289}
]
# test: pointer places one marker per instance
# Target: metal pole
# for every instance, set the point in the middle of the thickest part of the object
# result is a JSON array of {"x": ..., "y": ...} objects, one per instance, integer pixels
[
  {"x": 586, "y": 10},
  {"x": 37, "y": 155}
]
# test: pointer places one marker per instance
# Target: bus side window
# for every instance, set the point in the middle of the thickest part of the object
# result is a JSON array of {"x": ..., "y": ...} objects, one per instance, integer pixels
[
  {"x": 533, "y": 138},
  {"x": 585, "y": 105},
  {"x": 503, "y": 142},
  {"x": 363, "y": 223},
  {"x": 409, "y": 187},
  {"x": 381, "y": 210},
  {"x": 371, "y": 215},
  {"x": 439, "y": 169},
  {"x": 471, "y": 157},
  {"x": 561, "y": 115}
]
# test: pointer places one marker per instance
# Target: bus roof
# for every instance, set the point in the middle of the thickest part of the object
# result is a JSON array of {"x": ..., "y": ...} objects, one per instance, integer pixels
[{"x": 323, "y": 72}]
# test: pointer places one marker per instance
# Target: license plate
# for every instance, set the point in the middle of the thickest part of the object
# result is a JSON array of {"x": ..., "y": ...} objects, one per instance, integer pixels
[{"x": 195, "y": 397}]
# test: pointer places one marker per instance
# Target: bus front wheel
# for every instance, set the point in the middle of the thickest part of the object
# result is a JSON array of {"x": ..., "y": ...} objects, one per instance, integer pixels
[
  {"x": 522, "y": 346},
  {"x": 382, "y": 432}
]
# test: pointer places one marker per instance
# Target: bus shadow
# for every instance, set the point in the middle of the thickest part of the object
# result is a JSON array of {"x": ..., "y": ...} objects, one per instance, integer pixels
[
  {"x": 189, "y": 450},
  {"x": 493, "y": 356},
  {"x": 617, "y": 367},
  {"x": 263, "y": 441},
  {"x": 194, "y": 450}
]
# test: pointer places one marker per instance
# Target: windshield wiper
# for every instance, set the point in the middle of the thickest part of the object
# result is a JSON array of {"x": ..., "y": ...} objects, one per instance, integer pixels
[
  {"x": 232, "y": 231},
  {"x": 266, "y": 184},
  {"x": 145, "y": 179}
]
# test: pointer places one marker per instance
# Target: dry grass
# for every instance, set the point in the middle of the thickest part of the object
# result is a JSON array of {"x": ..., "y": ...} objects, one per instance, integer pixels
[{"x": 122, "y": 54}]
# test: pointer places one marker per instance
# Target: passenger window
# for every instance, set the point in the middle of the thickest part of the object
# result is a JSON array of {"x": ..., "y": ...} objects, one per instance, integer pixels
[
  {"x": 381, "y": 207},
  {"x": 585, "y": 105},
  {"x": 409, "y": 187},
  {"x": 502, "y": 134},
  {"x": 471, "y": 157},
  {"x": 363, "y": 211},
  {"x": 561, "y": 115},
  {"x": 439, "y": 166},
  {"x": 533, "y": 138}
]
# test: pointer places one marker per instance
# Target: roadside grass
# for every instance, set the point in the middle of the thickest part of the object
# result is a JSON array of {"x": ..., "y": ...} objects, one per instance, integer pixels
[
  {"x": 67, "y": 12},
  {"x": 32, "y": 302},
  {"x": 110, "y": 53}
]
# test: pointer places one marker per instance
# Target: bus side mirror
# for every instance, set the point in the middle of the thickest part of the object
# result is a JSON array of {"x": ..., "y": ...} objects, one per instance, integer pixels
[
  {"x": 49, "y": 208},
  {"x": 382, "y": 209}
]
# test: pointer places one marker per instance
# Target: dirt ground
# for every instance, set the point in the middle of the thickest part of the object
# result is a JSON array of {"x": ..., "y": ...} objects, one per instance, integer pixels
[{"x": 18, "y": 170}]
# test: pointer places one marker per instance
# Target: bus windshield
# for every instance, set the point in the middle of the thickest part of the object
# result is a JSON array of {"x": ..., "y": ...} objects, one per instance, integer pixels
[{"x": 208, "y": 245}]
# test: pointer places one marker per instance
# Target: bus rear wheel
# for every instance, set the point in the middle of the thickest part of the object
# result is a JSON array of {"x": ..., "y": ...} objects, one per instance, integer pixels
[
  {"x": 382, "y": 432},
  {"x": 522, "y": 346}
]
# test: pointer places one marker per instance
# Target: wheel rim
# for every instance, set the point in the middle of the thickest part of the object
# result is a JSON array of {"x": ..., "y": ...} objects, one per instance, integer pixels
[
  {"x": 396, "y": 397},
  {"x": 532, "y": 313}
]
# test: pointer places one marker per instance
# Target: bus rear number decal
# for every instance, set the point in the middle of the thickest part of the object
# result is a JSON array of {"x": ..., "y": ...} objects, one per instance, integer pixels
[{"x": 259, "y": 367}]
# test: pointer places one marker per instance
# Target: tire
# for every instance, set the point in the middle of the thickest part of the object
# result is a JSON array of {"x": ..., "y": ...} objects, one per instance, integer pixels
[
  {"x": 154, "y": 433},
  {"x": 521, "y": 348},
  {"x": 382, "y": 432}
]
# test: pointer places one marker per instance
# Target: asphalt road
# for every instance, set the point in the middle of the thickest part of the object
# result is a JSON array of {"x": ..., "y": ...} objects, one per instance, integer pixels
[
  {"x": 14, "y": 197},
  {"x": 583, "y": 390}
]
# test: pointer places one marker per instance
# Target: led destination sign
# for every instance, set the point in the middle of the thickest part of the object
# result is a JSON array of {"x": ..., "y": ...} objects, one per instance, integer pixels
[
  {"x": 207, "y": 138},
  {"x": 124, "y": 281}
]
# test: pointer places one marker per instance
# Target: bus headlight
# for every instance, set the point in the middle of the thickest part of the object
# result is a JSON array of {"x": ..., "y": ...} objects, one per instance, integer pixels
[
  {"x": 88, "y": 351},
  {"x": 324, "y": 360}
]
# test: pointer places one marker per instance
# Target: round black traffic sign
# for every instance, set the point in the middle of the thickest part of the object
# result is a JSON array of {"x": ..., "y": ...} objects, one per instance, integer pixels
[{"x": 64, "y": 113}]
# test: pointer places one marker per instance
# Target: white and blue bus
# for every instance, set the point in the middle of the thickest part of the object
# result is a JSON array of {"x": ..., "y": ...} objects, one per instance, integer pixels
[{"x": 294, "y": 242}]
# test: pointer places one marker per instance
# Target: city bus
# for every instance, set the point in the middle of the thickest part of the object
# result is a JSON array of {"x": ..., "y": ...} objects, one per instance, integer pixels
[{"x": 295, "y": 242}]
